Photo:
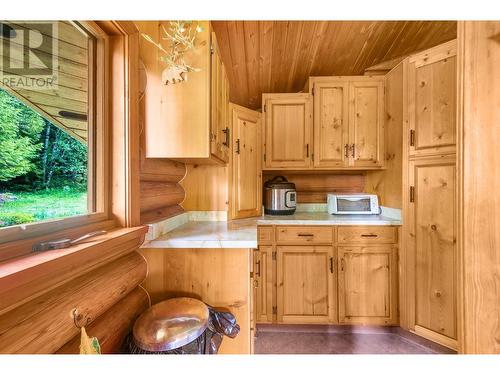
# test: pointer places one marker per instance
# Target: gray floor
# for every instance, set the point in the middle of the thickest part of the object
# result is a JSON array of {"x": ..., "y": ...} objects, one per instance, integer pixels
[{"x": 339, "y": 340}]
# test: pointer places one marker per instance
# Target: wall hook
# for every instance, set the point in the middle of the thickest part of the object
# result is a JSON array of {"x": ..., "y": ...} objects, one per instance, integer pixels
[{"x": 77, "y": 317}]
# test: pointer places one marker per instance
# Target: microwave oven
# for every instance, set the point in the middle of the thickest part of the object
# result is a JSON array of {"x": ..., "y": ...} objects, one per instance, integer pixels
[{"x": 353, "y": 204}]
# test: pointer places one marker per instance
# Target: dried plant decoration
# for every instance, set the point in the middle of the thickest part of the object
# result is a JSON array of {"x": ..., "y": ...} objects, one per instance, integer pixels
[{"x": 181, "y": 38}]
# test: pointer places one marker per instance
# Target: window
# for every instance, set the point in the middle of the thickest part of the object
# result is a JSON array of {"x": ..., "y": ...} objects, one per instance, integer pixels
[{"x": 51, "y": 135}]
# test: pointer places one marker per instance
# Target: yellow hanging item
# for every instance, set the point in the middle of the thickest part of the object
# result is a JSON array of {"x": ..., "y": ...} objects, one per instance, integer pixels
[{"x": 89, "y": 345}]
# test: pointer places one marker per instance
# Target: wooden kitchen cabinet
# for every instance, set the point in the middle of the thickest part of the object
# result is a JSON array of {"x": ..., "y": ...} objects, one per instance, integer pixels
[
  {"x": 305, "y": 284},
  {"x": 432, "y": 262},
  {"x": 263, "y": 276},
  {"x": 331, "y": 124},
  {"x": 432, "y": 104},
  {"x": 366, "y": 123},
  {"x": 287, "y": 131},
  {"x": 367, "y": 291},
  {"x": 188, "y": 121},
  {"x": 246, "y": 182},
  {"x": 346, "y": 131}
]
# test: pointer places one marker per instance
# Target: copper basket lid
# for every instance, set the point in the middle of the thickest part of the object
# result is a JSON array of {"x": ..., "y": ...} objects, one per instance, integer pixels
[{"x": 170, "y": 324}]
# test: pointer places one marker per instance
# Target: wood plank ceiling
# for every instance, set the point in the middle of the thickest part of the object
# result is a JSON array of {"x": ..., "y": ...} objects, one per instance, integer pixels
[
  {"x": 71, "y": 94},
  {"x": 279, "y": 56}
]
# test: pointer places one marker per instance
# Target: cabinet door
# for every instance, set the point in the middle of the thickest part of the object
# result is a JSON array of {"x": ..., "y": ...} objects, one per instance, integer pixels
[
  {"x": 432, "y": 82},
  {"x": 246, "y": 195},
  {"x": 367, "y": 285},
  {"x": 366, "y": 123},
  {"x": 331, "y": 100},
  {"x": 432, "y": 242},
  {"x": 306, "y": 291},
  {"x": 217, "y": 104},
  {"x": 263, "y": 274},
  {"x": 288, "y": 125}
]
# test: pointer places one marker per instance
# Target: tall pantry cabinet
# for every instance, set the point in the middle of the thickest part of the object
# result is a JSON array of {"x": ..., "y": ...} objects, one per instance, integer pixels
[{"x": 429, "y": 168}]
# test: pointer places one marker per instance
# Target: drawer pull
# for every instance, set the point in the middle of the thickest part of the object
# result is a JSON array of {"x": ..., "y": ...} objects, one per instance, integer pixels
[
  {"x": 305, "y": 235},
  {"x": 369, "y": 235}
]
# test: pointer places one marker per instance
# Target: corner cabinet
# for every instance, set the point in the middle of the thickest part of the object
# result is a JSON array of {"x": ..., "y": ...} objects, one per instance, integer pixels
[
  {"x": 343, "y": 130},
  {"x": 246, "y": 171},
  {"x": 188, "y": 121}
]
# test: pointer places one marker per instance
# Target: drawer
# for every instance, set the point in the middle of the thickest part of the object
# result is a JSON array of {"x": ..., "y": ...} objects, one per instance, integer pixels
[
  {"x": 304, "y": 235},
  {"x": 367, "y": 234},
  {"x": 265, "y": 235}
]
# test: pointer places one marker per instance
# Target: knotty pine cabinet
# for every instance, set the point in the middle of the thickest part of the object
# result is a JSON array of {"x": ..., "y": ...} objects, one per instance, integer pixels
[
  {"x": 192, "y": 122},
  {"x": 430, "y": 195},
  {"x": 246, "y": 169},
  {"x": 346, "y": 130},
  {"x": 432, "y": 100},
  {"x": 327, "y": 274}
]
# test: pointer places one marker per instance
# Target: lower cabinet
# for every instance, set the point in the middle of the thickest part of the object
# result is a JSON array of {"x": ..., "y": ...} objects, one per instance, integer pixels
[
  {"x": 305, "y": 284},
  {"x": 334, "y": 281},
  {"x": 367, "y": 284}
]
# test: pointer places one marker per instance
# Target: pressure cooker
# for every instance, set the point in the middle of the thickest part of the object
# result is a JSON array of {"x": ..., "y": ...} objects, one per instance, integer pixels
[{"x": 280, "y": 196}]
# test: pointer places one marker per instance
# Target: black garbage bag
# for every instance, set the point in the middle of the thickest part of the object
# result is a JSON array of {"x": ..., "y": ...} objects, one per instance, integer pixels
[{"x": 220, "y": 324}]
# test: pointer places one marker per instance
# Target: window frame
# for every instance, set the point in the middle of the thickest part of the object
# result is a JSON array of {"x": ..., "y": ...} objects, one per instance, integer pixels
[{"x": 116, "y": 147}]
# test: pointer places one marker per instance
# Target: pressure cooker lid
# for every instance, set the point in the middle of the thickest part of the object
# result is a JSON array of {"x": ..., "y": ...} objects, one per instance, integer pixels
[
  {"x": 170, "y": 324},
  {"x": 279, "y": 182}
]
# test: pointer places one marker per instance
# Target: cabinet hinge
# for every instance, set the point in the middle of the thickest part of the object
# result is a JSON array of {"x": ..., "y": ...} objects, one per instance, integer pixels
[
  {"x": 412, "y": 193},
  {"x": 412, "y": 137},
  {"x": 212, "y": 49},
  {"x": 312, "y": 156},
  {"x": 274, "y": 255},
  {"x": 275, "y": 310}
]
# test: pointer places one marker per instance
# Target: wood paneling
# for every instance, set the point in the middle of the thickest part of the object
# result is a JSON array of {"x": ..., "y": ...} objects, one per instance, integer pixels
[
  {"x": 112, "y": 327},
  {"x": 387, "y": 184},
  {"x": 155, "y": 195},
  {"x": 246, "y": 163},
  {"x": 219, "y": 277},
  {"x": 72, "y": 64},
  {"x": 306, "y": 291},
  {"x": 313, "y": 188},
  {"x": 206, "y": 188},
  {"x": 46, "y": 323},
  {"x": 279, "y": 56},
  {"x": 367, "y": 279},
  {"x": 479, "y": 226}
]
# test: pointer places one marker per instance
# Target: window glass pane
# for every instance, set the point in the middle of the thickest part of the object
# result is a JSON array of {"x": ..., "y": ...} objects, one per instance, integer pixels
[{"x": 44, "y": 128}]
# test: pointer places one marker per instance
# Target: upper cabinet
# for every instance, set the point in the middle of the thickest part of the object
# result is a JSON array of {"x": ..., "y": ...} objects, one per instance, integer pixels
[
  {"x": 432, "y": 106},
  {"x": 288, "y": 130},
  {"x": 188, "y": 121},
  {"x": 346, "y": 129}
]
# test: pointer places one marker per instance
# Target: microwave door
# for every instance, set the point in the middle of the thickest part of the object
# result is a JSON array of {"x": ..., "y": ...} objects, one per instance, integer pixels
[{"x": 353, "y": 205}]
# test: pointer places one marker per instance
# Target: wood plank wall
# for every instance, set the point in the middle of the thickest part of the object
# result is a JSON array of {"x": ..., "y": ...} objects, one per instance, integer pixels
[
  {"x": 387, "y": 184},
  {"x": 161, "y": 193},
  {"x": 479, "y": 196},
  {"x": 313, "y": 188}
]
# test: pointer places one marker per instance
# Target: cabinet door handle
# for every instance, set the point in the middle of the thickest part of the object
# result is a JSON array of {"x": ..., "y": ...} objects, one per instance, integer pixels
[
  {"x": 226, "y": 133},
  {"x": 331, "y": 264},
  {"x": 353, "y": 150},
  {"x": 238, "y": 146},
  {"x": 307, "y": 150},
  {"x": 342, "y": 264},
  {"x": 346, "y": 150},
  {"x": 369, "y": 235},
  {"x": 258, "y": 268}
]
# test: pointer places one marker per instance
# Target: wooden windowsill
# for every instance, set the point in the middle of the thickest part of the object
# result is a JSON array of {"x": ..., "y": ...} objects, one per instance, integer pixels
[{"x": 28, "y": 276}]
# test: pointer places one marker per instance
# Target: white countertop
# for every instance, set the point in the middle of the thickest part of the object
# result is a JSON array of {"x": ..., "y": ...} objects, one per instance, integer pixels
[{"x": 243, "y": 233}]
